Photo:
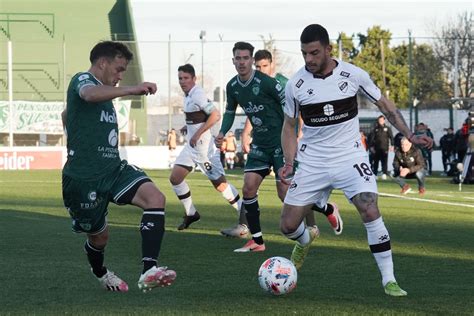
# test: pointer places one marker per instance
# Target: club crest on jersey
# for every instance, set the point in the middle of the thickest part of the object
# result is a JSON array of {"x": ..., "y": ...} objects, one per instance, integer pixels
[
  {"x": 299, "y": 83},
  {"x": 345, "y": 74},
  {"x": 328, "y": 109},
  {"x": 256, "y": 89},
  {"x": 343, "y": 86}
]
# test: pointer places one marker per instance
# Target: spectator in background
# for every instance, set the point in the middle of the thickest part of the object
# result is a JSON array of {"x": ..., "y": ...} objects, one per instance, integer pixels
[
  {"x": 447, "y": 144},
  {"x": 230, "y": 149},
  {"x": 172, "y": 139},
  {"x": 381, "y": 139},
  {"x": 422, "y": 129},
  {"x": 363, "y": 140},
  {"x": 397, "y": 141},
  {"x": 408, "y": 163},
  {"x": 461, "y": 142}
]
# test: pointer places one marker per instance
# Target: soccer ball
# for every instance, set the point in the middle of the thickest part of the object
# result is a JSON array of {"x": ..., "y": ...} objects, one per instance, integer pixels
[{"x": 277, "y": 275}]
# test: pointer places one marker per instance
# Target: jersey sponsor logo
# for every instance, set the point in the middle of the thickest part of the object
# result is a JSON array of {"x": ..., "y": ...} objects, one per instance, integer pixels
[
  {"x": 343, "y": 86},
  {"x": 83, "y": 77},
  {"x": 328, "y": 109},
  {"x": 253, "y": 108},
  {"x": 256, "y": 89},
  {"x": 92, "y": 196},
  {"x": 107, "y": 117},
  {"x": 113, "y": 138},
  {"x": 299, "y": 83},
  {"x": 345, "y": 74},
  {"x": 256, "y": 121}
]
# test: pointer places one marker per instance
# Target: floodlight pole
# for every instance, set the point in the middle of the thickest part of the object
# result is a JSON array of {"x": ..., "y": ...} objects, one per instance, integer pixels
[
  {"x": 10, "y": 92},
  {"x": 202, "y": 37}
]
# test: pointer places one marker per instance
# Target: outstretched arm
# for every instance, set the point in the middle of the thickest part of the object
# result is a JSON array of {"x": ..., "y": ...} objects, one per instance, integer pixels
[
  {"x": 394, "y": 116},
  {"x": 91, "y": 93}
]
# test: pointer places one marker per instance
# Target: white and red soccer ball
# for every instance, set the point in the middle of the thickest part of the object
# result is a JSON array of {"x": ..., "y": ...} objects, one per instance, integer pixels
[{"x": 277, "y": 275}]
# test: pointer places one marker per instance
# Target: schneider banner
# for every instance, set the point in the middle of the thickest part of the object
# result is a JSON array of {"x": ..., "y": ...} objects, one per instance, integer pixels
[{"x": 45, "y": 117}]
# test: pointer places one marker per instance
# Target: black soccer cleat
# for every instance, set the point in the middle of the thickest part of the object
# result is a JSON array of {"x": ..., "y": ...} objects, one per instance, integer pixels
[{"x": 188, "y": 220}]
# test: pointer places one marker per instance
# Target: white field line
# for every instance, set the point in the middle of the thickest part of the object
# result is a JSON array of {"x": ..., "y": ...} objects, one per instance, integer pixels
[{"x": 425, "y": 200}]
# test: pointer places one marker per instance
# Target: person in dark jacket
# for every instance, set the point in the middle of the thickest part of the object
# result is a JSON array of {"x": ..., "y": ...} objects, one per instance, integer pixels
[
  {"x": 409, "y": 163},
  {"x": 381, "y": 140},
  {"x": 447, "y": 144},
  {"x": 423, "y": 129}
]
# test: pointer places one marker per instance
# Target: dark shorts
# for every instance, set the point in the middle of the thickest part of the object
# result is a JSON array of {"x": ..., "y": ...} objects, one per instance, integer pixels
[
  {"x": 87, "y": 200},
  {"x": 260, "y": 160}
]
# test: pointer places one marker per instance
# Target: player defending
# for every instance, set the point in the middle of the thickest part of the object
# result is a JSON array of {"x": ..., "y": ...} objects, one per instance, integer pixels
[
  {"x": 94, "y": 175},
  {"x": 330, "y": 154},
  {"x": 201, "y": 115}
]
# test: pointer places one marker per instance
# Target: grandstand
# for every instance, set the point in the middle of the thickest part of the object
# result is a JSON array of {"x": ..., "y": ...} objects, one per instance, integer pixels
[{"x": 51, "y": 42}]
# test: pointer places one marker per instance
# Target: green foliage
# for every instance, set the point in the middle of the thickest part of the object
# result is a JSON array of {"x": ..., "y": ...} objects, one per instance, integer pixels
[{"x": 44, "y": 270}]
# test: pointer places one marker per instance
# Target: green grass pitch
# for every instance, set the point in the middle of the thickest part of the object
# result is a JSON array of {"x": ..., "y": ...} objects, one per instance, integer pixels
[{"x": 43, "y": 269}]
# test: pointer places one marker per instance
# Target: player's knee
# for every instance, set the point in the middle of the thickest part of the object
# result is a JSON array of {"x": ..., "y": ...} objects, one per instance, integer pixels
[{"x": 99, "y": 241}]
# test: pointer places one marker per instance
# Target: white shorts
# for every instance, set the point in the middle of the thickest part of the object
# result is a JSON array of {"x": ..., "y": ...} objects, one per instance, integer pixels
[
  {"x": 209, "y": 161},
  {"x": 312, "y": 184}
]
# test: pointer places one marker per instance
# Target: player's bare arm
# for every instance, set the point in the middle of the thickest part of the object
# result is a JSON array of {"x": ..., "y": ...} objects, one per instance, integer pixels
[
  {"x": 288, "y": 144},
  {"x": 213, "y": 118},
  {"x": 101, "y": 93},
  {"x": 246, "y": 136},
  {"x": 395, "y": 117}
]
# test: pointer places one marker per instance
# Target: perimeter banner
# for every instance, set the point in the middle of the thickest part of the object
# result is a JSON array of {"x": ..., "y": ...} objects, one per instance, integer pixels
[{"x": 45, "y": 117}]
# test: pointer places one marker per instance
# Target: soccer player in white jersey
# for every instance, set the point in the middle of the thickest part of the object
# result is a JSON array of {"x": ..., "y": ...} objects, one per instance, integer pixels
[
  {"x": 330, "y": 154},
  {"x": 199, "y": 150}
]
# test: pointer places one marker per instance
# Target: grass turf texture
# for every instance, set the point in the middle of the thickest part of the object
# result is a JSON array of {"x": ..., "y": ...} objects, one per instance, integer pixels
[{"x": 44, "y": 269}]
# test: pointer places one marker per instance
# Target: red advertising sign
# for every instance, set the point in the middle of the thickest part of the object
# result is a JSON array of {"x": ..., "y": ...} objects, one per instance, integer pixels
[{"x": 29, "y": 160}]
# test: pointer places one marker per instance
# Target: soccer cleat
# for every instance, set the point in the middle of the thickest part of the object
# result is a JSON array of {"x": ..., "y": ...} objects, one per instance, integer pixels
[
  {"x": 251, "y": 246},
  {"x": 111, "y": 282},
  {"x": 393, "y": 289},
  {"x": 156, "y": 277},
  {"x": 188, "y": 220},
  {"x": 299, "y": 252},
  {"x": 335, "y": 220},
  {"x": 421, "y": 191},
  {"x": 405, "y": 189},
  {"x": 239, "y": 231}
]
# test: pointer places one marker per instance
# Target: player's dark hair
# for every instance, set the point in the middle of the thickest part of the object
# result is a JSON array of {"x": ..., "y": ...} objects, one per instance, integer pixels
[
  {"x": 263, "y": 54},
  {"x": 314, "y": 33},
  {"x": 188, "y": 68},
  {"x": 110, "y": 50},
  {"x": 243, "y": 46}
]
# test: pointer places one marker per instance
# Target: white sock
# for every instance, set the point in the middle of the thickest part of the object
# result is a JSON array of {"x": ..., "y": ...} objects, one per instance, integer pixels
[
  {"x": 231, "y": 194},
  {"x": 379, "y": 243},
  {"x": 301, "y": 235},
  {"x": 184, "y": 195}
]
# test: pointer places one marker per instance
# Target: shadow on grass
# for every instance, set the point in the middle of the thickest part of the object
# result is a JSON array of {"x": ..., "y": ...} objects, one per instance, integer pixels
[{"x": 46, "y": 271}]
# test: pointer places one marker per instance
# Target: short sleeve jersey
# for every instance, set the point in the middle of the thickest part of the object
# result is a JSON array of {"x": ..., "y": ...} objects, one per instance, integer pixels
[
  {"x": 197, "y": 108},
  {"x": 262, "y": 99},
  {"x": 329, "y": 109},
  {"x": 92, "y": 133}
]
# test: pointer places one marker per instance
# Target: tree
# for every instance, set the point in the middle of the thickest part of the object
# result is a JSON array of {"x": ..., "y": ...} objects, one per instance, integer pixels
[
  {"x": 459, "y": 29},
  {"x": 349, "y": 51},
  {"x": 428, "y": 81},
  {"x": 378, "y": 59}
]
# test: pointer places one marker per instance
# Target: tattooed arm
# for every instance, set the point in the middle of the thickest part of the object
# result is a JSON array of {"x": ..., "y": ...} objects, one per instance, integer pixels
[{"x": 394, "y": 116}]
